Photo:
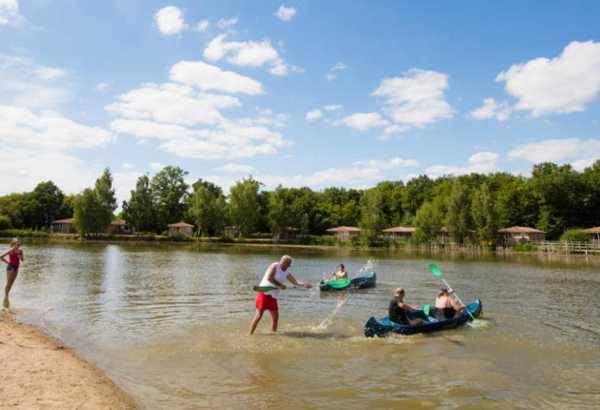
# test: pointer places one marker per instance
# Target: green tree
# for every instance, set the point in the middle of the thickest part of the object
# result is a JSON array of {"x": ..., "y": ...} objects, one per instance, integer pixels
[
  {"x": 558, "y": 191},
  {"x": 417, "y": 191},
  {"x": 90, "y": 213},
  {"x": 516, "y": 204},
  {"x": 372, "y": 219},
  {"x": 106, "y": 194},
  {"x": 245, "y": 206},
  {"x": 46, "y": 204},
  {"x": 281, "y": 215},
  {"x": 483, "y": 213},
  {"x": 207, "y": 208},
  {"x": 169, "y": 192},
  {"x": 5, "y": 222},
  {"x": 139, "y": 210},
  {"x": 429, "y": 222},
  {"x": 458, "y": 217}
]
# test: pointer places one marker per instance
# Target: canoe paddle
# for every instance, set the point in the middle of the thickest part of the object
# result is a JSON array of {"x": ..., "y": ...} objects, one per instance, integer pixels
[{"x": 440, "y": 275}]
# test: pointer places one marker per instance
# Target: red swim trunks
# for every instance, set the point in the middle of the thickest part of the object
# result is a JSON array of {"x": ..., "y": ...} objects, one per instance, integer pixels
[{"x": 266, "y": 302}]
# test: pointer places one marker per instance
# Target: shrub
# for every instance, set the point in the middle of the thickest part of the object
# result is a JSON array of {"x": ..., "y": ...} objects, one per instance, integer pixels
[
  {"x": 5, "y": 222},
  {"x": 575, "y": 235}
]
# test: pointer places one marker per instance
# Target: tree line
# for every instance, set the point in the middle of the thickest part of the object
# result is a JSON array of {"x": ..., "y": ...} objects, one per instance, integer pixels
[{"x": 470, "y": 208}]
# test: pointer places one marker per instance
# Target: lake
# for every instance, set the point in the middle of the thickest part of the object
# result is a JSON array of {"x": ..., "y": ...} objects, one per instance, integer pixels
[{"x": 168, "y": 323}]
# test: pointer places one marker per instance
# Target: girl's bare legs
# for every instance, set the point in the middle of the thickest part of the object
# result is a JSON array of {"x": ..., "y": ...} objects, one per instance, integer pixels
[
  {"x": 11, "y": 276},
  {"x": 255, "y": 321}
]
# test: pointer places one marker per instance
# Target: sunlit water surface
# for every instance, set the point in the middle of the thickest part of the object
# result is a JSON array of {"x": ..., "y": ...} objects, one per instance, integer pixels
[{"x": 168, "y": 323}]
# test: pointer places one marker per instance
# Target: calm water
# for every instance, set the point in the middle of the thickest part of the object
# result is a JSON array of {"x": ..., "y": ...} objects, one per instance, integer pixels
[{"x": 168, "y": 324}]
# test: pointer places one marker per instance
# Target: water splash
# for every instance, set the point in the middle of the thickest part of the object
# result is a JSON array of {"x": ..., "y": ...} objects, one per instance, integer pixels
[
  {"x": 369, "y": 266},
  {"x": 329, "y": 319}
]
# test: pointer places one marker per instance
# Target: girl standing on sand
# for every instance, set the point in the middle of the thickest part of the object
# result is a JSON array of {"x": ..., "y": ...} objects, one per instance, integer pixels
[{"x": 15, "y": 257}]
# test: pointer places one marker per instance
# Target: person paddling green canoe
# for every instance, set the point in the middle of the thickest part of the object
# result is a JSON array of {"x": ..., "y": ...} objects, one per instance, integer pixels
[{"x": 268, "y": 291}]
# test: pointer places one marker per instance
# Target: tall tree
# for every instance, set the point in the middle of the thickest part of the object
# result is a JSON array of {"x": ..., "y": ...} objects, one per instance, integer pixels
[
  {"x": 458, "y": 218},
  {"x": 139, "y": 210},
  {"x": 169, "y": 192},
  {"x": 372, "y": 219},
  {"x": 483, "y": 213},
  {"x": 429, "y": 222},
  {"x": 90, "y": 213},
  {"x": 245, "y": 205},
  {"x": 207, "y": 208},
  {"x": 46, "y": 202},
  {"x": 106, "y": 193}
]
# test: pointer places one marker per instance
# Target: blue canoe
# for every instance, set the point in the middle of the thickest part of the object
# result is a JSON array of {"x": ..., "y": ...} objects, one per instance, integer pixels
[
  {"x": 381, "y": 327},
  {"x": 365, "y": 281}
]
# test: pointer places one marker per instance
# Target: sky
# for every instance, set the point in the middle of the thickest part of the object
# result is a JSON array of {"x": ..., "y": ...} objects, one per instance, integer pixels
[{"x": 301, "y": 93}]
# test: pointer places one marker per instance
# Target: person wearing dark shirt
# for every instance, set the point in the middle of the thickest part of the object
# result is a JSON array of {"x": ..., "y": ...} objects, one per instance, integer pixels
[{"x": 398, "y": 310}]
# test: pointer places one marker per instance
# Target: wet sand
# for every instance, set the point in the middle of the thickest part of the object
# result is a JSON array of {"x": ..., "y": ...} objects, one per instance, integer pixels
[{"x": 38, "y": 372}]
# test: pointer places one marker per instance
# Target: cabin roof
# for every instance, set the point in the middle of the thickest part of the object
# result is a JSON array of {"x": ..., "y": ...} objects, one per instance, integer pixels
[
  {"x": 520, "y": 229},
  {"x": 344, "y": 229},
  {"x": 401, "y": 229},
  {"x": 180, "y": 224}
]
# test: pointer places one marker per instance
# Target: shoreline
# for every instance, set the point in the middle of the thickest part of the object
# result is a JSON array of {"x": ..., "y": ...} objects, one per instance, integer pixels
[{"x": 39, "y": 372}]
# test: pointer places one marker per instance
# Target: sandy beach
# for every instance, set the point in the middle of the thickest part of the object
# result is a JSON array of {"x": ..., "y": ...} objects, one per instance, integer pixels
[{"x": 40, "y": 373}]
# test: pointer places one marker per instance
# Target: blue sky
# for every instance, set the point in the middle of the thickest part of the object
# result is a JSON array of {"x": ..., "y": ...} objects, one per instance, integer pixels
[{"x": 313, "y": 93}]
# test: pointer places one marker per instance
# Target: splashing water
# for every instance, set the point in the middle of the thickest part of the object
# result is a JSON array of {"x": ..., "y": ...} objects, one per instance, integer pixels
[
  {"x": 329, "y": 319},
  {"x": 369, "y": 266}
]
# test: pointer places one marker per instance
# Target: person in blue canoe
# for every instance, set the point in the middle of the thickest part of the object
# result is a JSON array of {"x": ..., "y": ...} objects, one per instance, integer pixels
[
  {"x": 398, "y": 310},
  {"x": 446, "y": 307}
]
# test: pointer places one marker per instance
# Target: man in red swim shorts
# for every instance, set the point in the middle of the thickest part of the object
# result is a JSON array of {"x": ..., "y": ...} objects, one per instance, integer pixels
[{"x": 275, "y": 275}]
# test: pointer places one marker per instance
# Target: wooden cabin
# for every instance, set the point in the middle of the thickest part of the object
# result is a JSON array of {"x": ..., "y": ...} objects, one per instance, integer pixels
[
  {"x": 344, "y": 233},
  {"x": 63, "y": 226},
  {"x": 595, "y": 234},
  {"x": 521, "y": 234},
  {"x": 119, "y": 226},
  {"x": 399, "y": 233},
  {"x": 181, "y": 228}
]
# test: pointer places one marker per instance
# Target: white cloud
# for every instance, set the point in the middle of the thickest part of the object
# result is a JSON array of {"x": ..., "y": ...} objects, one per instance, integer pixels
[
  {"x": 313, "y": 115},
  {"x": 211, "y": 78},
  {"x": 128, "y": 165},
  {"x": 202, "y": 25},
  {"x": 248, "y": 53},
  {"x": 332, "y": 107},
  {"x": 235, "y": 168},
  {"x": 189, "y": 124},
  {"x": 491, "y": 109},
  {"x": 9, "y": 13},
  {"x": 564, "y": 84},
  {"x": 156, "y": 166},
  {"x": 22, "y": 169},
  {"x": 25, "y": 83},
  {"x": 416, "y": 98},
  {"x": 22, "y": 127},
  {"x": 170, "y": 20},
  {"x": 265, "y": 117},
  {"x": 579, "y": 152},
  {"x": 225, "y": 24},
  {"x": 49, "y": 73},
  {"x": 333, "y": 71},
  {"x": 172, "y": 103},
  {"x": 285, "y": 13},
  {"x": 481, "y": 162},
  {"x": 363, "y": 121},
  {"x": 227, "y": 141},
  {"x": 387, "y": 164},
  {"x": 102, "y": 87}
]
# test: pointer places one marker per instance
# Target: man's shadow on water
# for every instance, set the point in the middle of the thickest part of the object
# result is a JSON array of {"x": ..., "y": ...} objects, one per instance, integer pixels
[
  {"x": 337, "y": 336},
  {"x": 312, "y": 335}
]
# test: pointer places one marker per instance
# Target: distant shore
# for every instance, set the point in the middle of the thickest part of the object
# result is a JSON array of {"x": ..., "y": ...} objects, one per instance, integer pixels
[{"x": 38, "y": 372}]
